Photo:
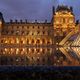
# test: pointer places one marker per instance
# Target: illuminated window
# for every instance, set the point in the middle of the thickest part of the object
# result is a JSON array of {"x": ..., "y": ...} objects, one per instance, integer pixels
[
  {"x": 17, "y": 40},
  {"x": 17, "y": 51},
  {"x": 6, "y": 49},
  {"x": 71, "y": 20},
  {"x": 63, "y": 20},
  {"x": 12, "y": 41},
  {"x": 6, "y": 41},
  {"x": 12, "y": 50},
  {"x": 23, "y": 49},
  {"x": 17, "y": 32},
  {"x": 4, "y": 52},
  {"x": 29, "y": 49},
  {"x": 38, "y": 53},
  {"x": 17, "y": 59}
]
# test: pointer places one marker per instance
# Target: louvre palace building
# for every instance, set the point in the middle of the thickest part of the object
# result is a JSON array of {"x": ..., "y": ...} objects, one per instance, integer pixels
[{"x": 27, "y": 44}]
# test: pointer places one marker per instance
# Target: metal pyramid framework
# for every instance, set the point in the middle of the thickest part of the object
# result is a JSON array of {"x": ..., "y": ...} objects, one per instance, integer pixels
[
  {"x": 77, "y": 51},
  {"x": 68, "y": 40},
  {"x": 71, "y": 46},
  {"x": 76, "y": 42},
  {"x": 71, "y": 54}
]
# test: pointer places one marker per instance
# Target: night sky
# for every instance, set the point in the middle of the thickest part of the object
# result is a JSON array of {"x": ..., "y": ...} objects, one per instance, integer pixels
[{"x": 34, "y": 9}]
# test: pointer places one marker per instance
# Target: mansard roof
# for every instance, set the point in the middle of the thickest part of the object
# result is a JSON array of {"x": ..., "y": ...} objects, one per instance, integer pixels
[{"x": 62, "y": 8}]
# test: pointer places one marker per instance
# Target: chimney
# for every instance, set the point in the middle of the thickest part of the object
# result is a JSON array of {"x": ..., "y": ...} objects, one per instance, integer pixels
[
  {"x": 35, "y": 21},
  {"x": 77, "y": 22},
  {"x": 1, "y": 17},
  {"x": 71, "y": 8},
  {"x": 16, "y": 21},
  {"x": 45, "y": 21},
  {"x": 21, "y": 21},
  {"x": 11, "y": 20},
  {"x": 53, "y": 10},
  {"x": 26, "y": 20}
]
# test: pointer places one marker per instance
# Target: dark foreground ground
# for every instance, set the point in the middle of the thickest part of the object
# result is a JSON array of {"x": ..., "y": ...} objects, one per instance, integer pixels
[{"x": 39, "y": 73}]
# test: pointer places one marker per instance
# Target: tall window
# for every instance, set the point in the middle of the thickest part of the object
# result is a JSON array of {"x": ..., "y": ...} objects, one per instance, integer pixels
[{"x": 63, "y": 20}]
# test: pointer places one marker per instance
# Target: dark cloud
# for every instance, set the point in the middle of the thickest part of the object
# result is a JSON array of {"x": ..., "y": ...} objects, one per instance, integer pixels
[{"x": 33, "y": 9}]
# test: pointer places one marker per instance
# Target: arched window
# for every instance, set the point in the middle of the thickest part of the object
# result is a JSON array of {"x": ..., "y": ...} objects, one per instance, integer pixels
[
  {"x": 43, "y": 50},
  {"x": 12, "y": 41},
  {"x": 2, "y": 41},
  {"x": 49, "y": 42},
  {"x": 63, "y": 20},
  {"x": 23, "y": 33},
  {"x": 1, "y": 51},
  {"x": 37, "y": 50},
  {"x": 17, "y": 40},
  {"x": 21, "y": 41},
  {"x": 32, "y": 42},
  {"x": 21, "y": 50},
  {"x": 27, "y": 50},
  {"x": 32, "y": 50},
  {"x": 43, "y": 41},
  {"x": 38, "y": 41},
  {"x": 27, "y": 33},
  {"x": 43, "y": 32},
  {"x": 27, "y": 41}
]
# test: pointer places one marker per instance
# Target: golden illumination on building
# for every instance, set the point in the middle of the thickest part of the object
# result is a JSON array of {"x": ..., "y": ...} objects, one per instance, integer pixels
[
  {"x": 26, "y": 43},
  {"x": 17, "y": 40}
]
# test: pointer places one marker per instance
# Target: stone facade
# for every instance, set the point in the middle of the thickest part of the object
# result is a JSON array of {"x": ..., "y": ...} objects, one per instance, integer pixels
[{"x": 25, "y": 43}]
